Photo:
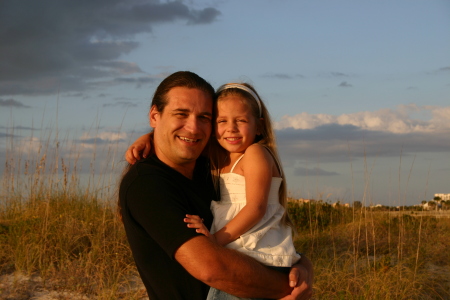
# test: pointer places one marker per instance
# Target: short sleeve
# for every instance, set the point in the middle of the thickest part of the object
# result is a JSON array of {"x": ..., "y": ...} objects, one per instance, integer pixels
[{"x": 159, "y": 207}]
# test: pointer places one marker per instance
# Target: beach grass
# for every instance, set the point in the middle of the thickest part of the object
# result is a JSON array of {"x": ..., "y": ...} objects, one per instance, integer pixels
[
  {"x": 59, "y": 235},
  {"x": 378, "y": 255},
  {"x": 73, "y": 243}
]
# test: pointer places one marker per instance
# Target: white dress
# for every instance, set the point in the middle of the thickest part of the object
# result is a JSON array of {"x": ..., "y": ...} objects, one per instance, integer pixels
[{"x": 269, "y": 241}]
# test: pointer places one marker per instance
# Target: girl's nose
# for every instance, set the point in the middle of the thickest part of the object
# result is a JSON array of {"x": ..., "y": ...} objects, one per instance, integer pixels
[{"x": 232, "y": 126}]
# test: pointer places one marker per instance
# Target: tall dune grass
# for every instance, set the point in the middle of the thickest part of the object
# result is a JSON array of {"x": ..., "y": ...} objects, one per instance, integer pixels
[
  {"x": 65, "y": 229},
  {"x": 365, "y": 254},
  {"x": 59, "y": 220}
]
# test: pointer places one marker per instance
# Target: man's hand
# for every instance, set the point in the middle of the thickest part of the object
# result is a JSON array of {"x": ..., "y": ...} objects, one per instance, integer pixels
[
  {"x": 301, "y": 279},
  {"x": 142, "y": 146}
]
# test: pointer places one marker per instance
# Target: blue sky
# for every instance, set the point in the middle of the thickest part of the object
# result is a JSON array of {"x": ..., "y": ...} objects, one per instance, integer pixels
[{"x": 359, "y": 90}]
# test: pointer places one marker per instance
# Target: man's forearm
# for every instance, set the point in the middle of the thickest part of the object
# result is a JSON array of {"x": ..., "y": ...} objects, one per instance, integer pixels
[
  {"x": 231, "y": 271},
  {"x": 250, "y": 279}
]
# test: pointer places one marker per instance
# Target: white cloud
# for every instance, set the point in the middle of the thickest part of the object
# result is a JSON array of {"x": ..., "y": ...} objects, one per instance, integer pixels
[
  {"x": 401, "y": 120},
  {"x": 89, "y": 140}
]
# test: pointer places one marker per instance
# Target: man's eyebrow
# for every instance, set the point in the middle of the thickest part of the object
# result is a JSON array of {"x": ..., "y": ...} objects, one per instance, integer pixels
[
  {"x": 207, "y": 113},
  {"x": 181, "y": 110},
  {"x": 188, "y": 111}
]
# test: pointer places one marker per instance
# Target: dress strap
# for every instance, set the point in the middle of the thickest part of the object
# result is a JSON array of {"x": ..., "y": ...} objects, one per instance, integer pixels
[
  {"x": 238, "y": 160},
  {"x": 276, "y": 161}
]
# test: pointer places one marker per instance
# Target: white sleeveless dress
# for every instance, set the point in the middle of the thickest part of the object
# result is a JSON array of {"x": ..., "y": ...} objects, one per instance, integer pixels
[{"x": 269, "y": 241}]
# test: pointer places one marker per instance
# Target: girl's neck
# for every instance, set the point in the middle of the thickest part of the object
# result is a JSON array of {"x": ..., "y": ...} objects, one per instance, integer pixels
[{"x": 229, "y": 160}]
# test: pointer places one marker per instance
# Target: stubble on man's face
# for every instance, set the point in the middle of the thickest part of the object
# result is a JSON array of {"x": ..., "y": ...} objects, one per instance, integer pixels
[{"x": 183, "y": 129}]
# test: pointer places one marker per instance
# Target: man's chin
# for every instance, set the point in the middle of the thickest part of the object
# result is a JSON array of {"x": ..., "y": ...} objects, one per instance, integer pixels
[{"x": 190, "y": 156}]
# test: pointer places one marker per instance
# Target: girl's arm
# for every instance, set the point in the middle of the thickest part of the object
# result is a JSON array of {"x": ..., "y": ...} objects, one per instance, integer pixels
[
  {"x": 143, "y": 145},
  {"x": 257, "y": 166}
]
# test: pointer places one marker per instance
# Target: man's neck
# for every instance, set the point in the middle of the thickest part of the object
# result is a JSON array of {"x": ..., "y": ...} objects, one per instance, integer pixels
[
  {"x": 187, "y": 172},
  {"x": 187, "y": 169}
]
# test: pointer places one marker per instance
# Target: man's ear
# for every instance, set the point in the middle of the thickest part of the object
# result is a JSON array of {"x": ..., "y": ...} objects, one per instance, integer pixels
[{"x": 153, "y": 116}]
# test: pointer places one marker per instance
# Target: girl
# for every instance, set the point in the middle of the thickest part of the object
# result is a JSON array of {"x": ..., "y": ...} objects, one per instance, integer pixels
[{"x": 250, "y": 216}]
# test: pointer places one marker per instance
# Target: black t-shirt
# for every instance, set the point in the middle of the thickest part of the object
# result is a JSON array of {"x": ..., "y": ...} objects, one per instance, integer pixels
[{"x": 154, "y": 199}]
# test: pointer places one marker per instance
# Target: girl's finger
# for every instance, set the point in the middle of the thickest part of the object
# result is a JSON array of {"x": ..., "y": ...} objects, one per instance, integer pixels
[
  {"x": 193, "y": 224},
  {"x": 195, "y": 217},
  {"x": 136, "y": 153}
]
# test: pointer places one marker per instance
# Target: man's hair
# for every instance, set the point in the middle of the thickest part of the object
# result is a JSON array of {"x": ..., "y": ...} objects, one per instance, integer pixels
[{"x": 179, "y": 79}]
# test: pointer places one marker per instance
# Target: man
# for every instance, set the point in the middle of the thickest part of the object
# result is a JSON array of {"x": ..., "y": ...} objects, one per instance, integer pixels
[{"x": 155, "y": 195}]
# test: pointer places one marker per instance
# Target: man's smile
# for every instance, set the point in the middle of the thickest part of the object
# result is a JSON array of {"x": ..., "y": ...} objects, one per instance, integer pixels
[{"x": 183, "y": 138}]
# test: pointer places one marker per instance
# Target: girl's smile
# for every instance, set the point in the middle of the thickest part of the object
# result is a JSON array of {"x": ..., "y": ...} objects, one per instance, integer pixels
[{"x": 236, "y": 127}]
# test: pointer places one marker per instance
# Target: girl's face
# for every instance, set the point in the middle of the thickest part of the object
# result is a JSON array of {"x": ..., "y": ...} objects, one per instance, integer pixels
[{"x": 236, "y": 127}]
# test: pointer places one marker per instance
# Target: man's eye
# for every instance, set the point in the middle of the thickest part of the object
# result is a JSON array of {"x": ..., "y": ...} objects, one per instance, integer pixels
[{"x": 205, "y": 119}]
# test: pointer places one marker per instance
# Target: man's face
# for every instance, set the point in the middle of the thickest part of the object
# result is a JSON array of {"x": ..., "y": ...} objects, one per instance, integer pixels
[{"x": 183, "y": 129}]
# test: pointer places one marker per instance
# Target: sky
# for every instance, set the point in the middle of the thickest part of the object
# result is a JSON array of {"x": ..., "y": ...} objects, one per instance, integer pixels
[{"x": 359, "y": 91}]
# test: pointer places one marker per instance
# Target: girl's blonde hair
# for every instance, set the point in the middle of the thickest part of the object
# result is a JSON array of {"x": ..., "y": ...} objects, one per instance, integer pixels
[{"x": 266, "y": 138}]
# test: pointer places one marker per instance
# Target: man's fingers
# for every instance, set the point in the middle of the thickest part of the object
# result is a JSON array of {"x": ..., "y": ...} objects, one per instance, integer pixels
[{"x": 294, "y": 275}]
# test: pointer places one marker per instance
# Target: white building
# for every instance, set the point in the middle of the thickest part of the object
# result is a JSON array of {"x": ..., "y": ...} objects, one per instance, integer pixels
[{"x": 443, "y": 196}]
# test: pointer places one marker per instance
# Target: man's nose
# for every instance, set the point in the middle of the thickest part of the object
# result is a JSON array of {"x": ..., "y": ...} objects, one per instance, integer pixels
[{"x": 192, "y": 124}]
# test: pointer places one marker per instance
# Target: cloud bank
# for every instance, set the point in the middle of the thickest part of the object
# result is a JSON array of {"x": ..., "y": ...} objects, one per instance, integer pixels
[
  {"x": 52, "y": 45},
  {"x": 12, "y": 103},
  {"x": 385, "y": 133},
  {"x": 400, "y": 120}
]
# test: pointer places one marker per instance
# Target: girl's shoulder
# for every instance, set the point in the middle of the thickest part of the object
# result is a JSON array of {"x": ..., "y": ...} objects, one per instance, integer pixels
[
  {"x": 257, "y": 148},
  {"x": 257, "y": 153},
  {"x": 258, "y": 158}
]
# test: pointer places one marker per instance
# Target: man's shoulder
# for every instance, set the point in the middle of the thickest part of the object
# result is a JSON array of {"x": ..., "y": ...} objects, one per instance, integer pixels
[
  {"x": 150, "y": 170},
  {"x": 152, "y": 165},
  {"x": 148, "y": 164}
]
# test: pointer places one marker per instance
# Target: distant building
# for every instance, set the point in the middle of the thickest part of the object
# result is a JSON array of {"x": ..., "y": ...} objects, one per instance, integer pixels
[
  {"x": 443, "y": 196},
  {"x": 301, "y": 200},
  {"x": 432, "y": 205}
]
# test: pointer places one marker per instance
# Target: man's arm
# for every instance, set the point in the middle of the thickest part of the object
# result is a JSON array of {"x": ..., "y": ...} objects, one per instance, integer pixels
[
  {"x": 231, "y": 271},
  {"x": 300, "y": 277}
]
